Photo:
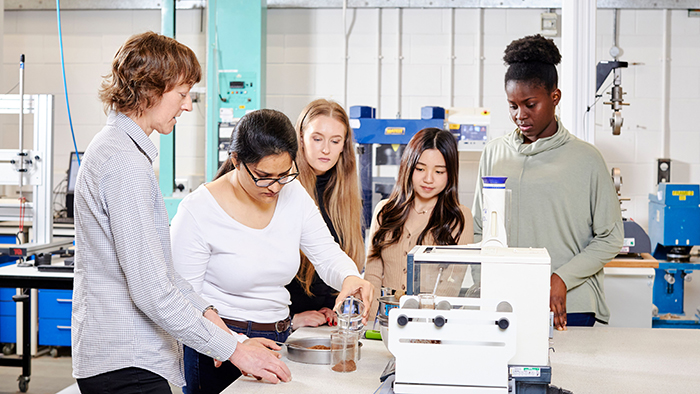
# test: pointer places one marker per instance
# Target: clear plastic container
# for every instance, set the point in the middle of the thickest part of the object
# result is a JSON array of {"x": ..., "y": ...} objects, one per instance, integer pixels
[
  {"x": 350, "y": 314},
  {"x": 427, "y": 301},
  {"x": 344, "y": 350}
]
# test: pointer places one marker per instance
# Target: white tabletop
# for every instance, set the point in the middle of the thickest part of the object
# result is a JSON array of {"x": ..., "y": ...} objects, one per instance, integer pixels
[
  {"x": 626, "y": 360},
  {"x": 585, "y": 360},
  {"x": 311, "y": 378},
  {"x": 16, "y": 271}
]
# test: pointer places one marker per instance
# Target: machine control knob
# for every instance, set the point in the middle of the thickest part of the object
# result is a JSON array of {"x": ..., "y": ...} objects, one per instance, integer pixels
[
  {"x": 670, "y": 278},
  {"x": 402, "y": 320},
  {"x": 439, "y": 321},
  {"x": 503, "y": 323}
]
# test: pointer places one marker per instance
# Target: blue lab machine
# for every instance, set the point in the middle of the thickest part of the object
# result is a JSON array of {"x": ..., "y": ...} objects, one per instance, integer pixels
[{"x": 674, "y": 228}]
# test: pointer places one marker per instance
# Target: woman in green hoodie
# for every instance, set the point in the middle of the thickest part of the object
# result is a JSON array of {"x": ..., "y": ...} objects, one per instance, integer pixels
[{"x": 563, "y": 197}]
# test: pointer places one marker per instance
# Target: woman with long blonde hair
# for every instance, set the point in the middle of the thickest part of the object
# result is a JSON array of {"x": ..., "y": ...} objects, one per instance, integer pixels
[{"x": 328, "y": 171}]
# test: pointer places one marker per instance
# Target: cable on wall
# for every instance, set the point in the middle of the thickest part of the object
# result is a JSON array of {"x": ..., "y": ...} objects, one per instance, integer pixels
[{"x": 63, "y": 69}]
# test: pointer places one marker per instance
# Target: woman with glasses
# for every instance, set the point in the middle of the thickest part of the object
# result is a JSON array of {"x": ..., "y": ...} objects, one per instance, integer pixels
[
  {"x": 237, "y": 241},
  {"x": 423, "y": 209},
  {"x": 327, "y": 170}
]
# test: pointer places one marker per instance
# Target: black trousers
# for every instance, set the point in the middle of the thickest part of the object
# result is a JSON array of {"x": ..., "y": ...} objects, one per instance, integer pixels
[{"x": 125, "y": 381}]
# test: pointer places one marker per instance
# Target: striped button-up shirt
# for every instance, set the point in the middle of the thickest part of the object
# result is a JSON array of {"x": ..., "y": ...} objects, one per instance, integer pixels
[{"x": 130, "y": 307}]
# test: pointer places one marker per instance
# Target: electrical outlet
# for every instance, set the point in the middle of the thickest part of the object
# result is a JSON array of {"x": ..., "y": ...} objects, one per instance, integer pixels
[{"x": 549, "y": 24}]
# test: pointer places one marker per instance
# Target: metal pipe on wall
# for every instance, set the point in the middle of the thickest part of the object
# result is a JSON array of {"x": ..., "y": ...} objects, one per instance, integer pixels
[
  {"x": 21, "y": 127},
  {"x": 345, "y": 55},
  {"x": 616, "y": 23},
  {"x": 379, "y": 61},
  {"x": 452, "y": 58},
  {"x": 665, "y": 85},
  {"x": 480, "y": 58},
  {"x": 399, "y": 59}
]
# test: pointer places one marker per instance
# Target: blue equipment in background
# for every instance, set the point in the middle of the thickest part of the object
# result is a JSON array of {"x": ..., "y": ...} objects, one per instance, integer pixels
[
  {"x": 395, "y": 132},
  {"x": 674, "y": 228}
]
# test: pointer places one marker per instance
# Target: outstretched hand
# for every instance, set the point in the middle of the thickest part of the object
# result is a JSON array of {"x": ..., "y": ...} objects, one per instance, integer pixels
[
  {"x": 360, "y": 288},
  {"x": 255, "y": 358}
]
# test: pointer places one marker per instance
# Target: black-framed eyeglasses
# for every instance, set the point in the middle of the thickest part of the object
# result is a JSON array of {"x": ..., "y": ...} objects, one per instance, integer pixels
[{"x": 267, "y": 182}]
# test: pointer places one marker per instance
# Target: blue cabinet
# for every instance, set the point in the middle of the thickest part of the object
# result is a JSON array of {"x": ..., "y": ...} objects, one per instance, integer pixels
[
  {"x": 54, "y": 311},
  {"x": 8, "y": 319},
  {"x": 8, "y": 312},
  {"x": 54, "y": 317}
]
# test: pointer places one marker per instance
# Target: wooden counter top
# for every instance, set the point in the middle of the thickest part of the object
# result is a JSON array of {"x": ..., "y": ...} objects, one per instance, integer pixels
[{"x": 647, "y": 261}]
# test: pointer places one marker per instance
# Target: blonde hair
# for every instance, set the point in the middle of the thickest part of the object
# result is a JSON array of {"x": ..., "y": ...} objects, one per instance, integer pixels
[{"x": 342, "y": 196}]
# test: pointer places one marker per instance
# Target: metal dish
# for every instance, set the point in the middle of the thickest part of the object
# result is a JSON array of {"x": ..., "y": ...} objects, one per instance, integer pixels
[
  {"x": 298, "y": 350},
  {"x": 386, "y": 304}
]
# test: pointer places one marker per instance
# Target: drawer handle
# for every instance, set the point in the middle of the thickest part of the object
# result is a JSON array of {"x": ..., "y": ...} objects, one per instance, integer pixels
[
  {"x": 63, "y": 327},
  {"x": 64, "y": 300}
]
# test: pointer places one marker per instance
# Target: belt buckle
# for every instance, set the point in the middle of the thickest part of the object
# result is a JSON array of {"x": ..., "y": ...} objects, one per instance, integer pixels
[{"x": 280, "y": 326}]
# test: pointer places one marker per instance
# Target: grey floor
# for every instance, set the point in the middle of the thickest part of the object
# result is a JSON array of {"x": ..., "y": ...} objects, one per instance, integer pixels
[{"x": 49, "y": 375}]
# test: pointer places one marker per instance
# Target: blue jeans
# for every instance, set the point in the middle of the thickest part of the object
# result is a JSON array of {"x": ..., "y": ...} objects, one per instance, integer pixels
[
  {"x": 580, "y": 319},
  {"x": 203, "y": 378},
  {"x": 125, "y": 381}
]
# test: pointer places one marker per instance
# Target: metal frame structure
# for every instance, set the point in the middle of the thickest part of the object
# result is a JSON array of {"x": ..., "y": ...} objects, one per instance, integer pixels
[
  {"x": 40, "y": 170},
  {"x": 23, "y": 5}
]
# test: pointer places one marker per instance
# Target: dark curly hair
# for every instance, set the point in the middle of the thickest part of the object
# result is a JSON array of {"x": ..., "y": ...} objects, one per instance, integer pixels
[
  {"x": 144, "y": 68},
  {"x": 533, "y": 59}
]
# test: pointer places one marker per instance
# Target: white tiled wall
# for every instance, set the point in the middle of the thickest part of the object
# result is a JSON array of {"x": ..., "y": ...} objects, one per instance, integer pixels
[
  {"x": 90, "y": 40},
  {"x": 305, "y": 61}
]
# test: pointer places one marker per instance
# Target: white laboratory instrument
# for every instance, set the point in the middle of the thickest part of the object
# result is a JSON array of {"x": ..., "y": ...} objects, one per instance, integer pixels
[
  {"x": 473, "y": 345},
  {"x": 493, "y": 215}
]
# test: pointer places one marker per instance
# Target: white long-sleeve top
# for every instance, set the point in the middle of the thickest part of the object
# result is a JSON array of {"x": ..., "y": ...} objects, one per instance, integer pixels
[{"x": 242, "y": 271}]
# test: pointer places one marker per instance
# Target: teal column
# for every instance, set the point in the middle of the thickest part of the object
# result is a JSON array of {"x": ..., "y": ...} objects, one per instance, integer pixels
[
  {"x": 236, "y": 51},
  {"x": 166, "y": 177},
  {"x": 212, "y": 132}
]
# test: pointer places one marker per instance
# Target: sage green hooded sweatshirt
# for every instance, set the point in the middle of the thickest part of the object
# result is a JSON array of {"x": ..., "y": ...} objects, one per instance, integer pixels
[{"x": 564, "y": 200}]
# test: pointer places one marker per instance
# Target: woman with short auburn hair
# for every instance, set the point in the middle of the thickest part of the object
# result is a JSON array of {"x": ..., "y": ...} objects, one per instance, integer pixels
[{"x": 131, "y": 310}]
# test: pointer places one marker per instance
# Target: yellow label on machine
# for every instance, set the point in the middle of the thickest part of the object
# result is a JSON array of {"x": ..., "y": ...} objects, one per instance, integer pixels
[
  {"x": 395, "y": 131},
  {"x": 682, "y": 194}
]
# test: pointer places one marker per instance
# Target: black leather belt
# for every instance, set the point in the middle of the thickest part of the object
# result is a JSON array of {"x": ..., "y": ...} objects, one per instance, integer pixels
[{"x": 280, "y": 326}]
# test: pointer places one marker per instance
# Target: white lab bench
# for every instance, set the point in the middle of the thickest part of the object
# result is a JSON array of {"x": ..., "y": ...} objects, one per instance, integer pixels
[{"x": 585, "y": 360}]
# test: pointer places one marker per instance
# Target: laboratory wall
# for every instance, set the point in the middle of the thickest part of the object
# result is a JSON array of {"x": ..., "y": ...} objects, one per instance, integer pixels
[{"x": 305, "y": 60}]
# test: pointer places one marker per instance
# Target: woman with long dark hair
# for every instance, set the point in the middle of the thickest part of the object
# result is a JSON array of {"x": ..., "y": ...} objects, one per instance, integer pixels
[
  {"x": 423, "y": 209},
  {"x": 237, "y": 241}
]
